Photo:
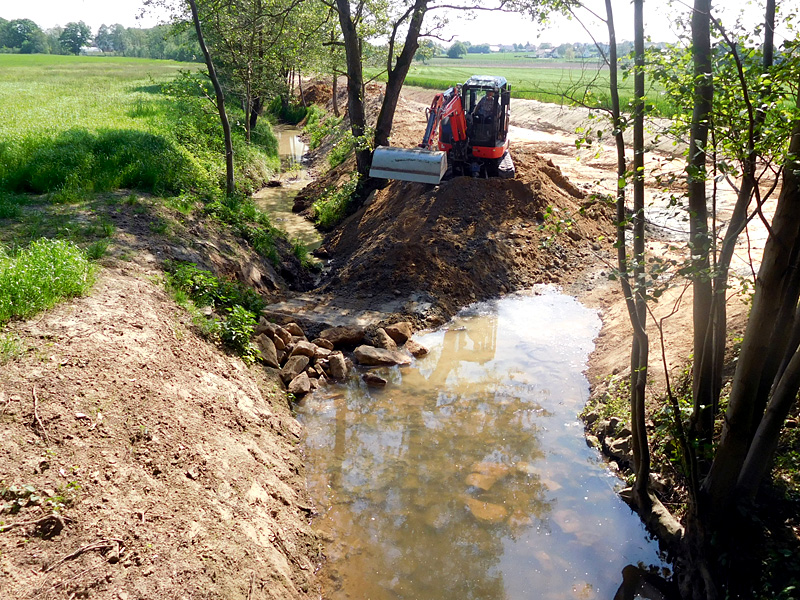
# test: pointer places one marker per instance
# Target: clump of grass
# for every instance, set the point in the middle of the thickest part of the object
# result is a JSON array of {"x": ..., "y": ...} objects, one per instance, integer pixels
[
  {"x": 319, "y": 125},
  {"x": 250, "y": 222},
  {"x": 37, "y": 277},
  {"x": 333, "y": 206},
  {"x": 300, "y": 250},
  {"x": 341, "y": 150}
]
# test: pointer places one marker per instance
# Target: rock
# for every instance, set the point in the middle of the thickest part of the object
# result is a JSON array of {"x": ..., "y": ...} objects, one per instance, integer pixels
[
  {"x": 593, "y": 442},
  {"x": 320, "y": 352},
  {"x": 293, "y": 367},
  {"x": 481, "y": 480},
  {"x": 381, "y": 339},
  {"x": 400, "y": 332},
  {"x": 322, "y": 343},
  {"x": 591, "y": 417},
  {"x": 269, "y": 354},
  {"x": 416, "y": 349},
  {"x": 373, "y": 380},
  {"x": 486, "y": 511},
  {"x": 337, "y": 367},
  {"x": 295, "y": 329},
  {"x": 624, "y": 432},
  {"x": 279, "y": 343},
  {"x": 621, "y": 448},
  {"x": 378, "y": 357},
  {"x": 304, "y": 349},
  {"x": 266, "y": 327},
  {"x": 314, "y": 384},
  {"x": 602, "y": 427},
  {"x": 613, "y": 425},
  {"x": 284, "y": 335},
  {"x": 300, "y": 385},
  {"x": 343, "y": 336}
]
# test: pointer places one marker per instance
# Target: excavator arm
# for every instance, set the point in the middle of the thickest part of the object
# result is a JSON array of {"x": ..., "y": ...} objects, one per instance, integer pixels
[{"x": 446, "y": 107}]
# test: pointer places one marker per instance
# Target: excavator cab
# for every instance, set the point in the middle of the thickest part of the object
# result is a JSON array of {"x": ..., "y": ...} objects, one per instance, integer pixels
[{"x": 466, "y": 134}]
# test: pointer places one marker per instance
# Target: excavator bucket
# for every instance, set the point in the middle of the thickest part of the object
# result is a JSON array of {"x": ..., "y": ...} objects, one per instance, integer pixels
[{"x": 408, "y": 164}]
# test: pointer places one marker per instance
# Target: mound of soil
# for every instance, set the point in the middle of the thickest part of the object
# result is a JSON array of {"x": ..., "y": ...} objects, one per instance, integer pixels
[
  {"x": 317, "y": 93},
  {"x": 466, "y": 239}
]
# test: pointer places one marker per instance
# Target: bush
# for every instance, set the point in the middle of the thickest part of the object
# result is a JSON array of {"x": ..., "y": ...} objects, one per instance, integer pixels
[
  {"x": 37, "y": 277},
  {"x": 332, "y": 207}
]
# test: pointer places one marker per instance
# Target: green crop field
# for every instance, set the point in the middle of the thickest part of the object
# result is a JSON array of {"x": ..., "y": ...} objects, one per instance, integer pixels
[{"x": 546, "y": 80}]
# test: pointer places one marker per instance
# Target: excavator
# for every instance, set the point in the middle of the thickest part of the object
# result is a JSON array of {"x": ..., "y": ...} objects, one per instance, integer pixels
[{"x": 466, "y": 135}]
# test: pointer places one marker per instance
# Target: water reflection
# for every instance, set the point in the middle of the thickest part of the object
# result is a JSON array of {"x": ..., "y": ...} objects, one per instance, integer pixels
[{"x": 468, "y": 476}]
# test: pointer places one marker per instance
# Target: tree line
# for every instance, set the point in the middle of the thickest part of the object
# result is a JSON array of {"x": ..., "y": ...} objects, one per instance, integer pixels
[{"x": 24, "y": 36}]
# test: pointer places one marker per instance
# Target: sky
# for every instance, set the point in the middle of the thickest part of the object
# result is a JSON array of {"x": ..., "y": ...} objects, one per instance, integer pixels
[{"x": 491, "y": 28}]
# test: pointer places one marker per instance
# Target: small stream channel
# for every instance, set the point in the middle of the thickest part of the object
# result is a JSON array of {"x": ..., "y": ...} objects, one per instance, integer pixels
[
  {"x": 278, "y": 200},
  {"x": 468, "y": 476}
]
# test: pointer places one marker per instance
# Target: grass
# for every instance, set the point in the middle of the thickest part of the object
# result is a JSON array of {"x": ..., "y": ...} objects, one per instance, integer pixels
[
  {"x": 332, "y": 206},
  {"x": 35, "y": 278},
  {"x": 75, "y": 125},
  {"x": 559, "y": 82}
]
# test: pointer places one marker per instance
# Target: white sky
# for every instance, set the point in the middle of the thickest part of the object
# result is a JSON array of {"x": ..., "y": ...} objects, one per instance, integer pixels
[{"x": 492, "y": 28}]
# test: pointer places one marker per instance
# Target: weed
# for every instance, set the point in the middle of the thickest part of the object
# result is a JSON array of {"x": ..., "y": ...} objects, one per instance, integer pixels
[
  {"x": 10, "y": 348},
  {"x": 97, "y": 250},
  {"x": 300, "y": 250},
  {"x": 332, "y": 207},
  {"x": 237, "y": 329},
  {"x": 37, "y": 277}
]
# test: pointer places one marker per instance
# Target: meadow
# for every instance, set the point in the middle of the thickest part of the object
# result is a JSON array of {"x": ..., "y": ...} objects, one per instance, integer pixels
[
  {"x": 547, "y": 80},
  {"x": 71, "y": 125}
]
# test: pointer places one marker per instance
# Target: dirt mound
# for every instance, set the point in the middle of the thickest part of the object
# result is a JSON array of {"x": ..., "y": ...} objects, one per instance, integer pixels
[
  {"x": 317, "y": 93},
  {"x": 466, "y": 239}
]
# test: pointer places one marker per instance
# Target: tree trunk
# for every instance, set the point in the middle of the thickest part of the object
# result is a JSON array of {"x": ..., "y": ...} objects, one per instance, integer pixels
[
  {"x": 355, "y": 86},
  {"x": 397, "y": 73},
  {"x": 258, "y": 105},
  {"x": 641, "y": 347},
  {"x": 220, "y": 101},
  {"x": 702, "y": 383}
]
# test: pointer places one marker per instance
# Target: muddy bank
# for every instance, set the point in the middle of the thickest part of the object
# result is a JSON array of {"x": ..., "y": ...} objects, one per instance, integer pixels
[{"x": 140, "y": 461}]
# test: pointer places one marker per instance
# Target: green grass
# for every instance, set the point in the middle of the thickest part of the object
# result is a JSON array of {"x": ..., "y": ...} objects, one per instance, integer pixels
[
  {"x": 545, "y": 80},
  {"x": 35, "y": 278},
  {"x": 72, "y": 125}
]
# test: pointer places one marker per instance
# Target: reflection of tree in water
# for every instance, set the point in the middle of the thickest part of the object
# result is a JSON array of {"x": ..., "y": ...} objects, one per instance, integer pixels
[{"x": 409, "y": 464}]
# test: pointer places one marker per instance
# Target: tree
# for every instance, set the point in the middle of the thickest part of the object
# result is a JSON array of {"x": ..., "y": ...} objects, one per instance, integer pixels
[
  {"x": 75, "y": 36},
  {"x": 104, "y": 39},
  {"x": 25, "y": 35},
  {"x": 457, "y": 50},
  {"x": 426, "y": 51}
]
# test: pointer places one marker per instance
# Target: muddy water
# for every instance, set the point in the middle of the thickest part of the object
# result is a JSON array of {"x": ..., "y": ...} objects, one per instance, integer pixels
[
  {"x": 278, "y": 201},
  {"x": 468, "y": 475}
]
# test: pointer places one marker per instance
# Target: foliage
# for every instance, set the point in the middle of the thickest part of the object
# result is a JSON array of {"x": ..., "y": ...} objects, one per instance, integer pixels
[
  {"x": 75, "y": 36},
  {"x": 319, "y": 125},
  {"x": 333, "y": 205},
  {"x": 240, "y": 303},
  {"x": 10, "y": 348},
  {"x": 286, "y": 111},
  {"x": 35, "y": 278},
  {"x": 457, "y": 50}
]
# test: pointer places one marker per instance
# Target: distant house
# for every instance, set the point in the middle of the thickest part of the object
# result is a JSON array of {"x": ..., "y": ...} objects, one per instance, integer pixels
[
  {"x": 547, "y": 53},
  {"x": 494, "y": 47}
]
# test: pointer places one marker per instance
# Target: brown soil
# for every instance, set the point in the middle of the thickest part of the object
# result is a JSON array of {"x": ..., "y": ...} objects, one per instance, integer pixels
[{"x": 174, "y": 467}]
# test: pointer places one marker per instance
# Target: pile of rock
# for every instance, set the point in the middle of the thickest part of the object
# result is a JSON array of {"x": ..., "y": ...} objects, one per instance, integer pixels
[{"x": 305, "y": 365}]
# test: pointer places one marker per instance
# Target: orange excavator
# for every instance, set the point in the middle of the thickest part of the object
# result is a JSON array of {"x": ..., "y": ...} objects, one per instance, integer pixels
[{"x": 466, "y": 134}]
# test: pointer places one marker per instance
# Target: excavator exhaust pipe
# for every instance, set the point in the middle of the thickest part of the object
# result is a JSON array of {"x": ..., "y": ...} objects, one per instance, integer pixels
[{"x": 408, "y": 164}]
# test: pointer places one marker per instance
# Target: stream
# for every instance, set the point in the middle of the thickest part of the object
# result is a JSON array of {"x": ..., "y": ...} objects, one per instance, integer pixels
[
  {"x": 468, "y": 476},
  {"x": 278, "y": 200}
]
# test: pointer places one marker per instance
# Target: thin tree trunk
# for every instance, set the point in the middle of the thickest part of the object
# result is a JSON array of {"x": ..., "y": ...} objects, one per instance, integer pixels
[
  {"x": 220, "y": 101},
  {"x": 355, "y": 86},
  {"x": 702, "y": 383},
  {"x": 638, "y": 417}
]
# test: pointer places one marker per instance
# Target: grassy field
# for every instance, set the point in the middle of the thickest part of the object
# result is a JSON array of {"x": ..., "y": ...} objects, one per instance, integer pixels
[
  {"x": 561, "y": 82},
  {"x": 70, "y": 125}
]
